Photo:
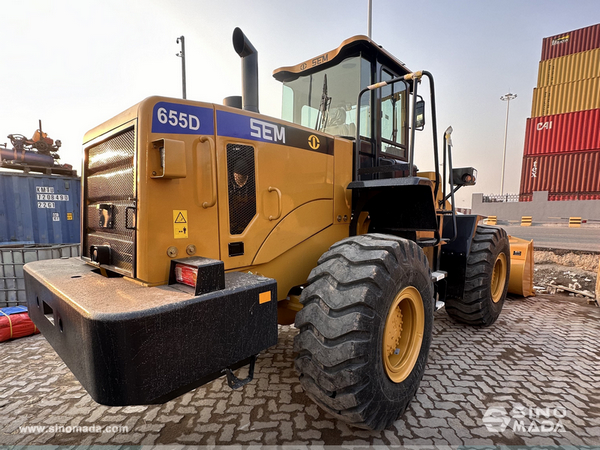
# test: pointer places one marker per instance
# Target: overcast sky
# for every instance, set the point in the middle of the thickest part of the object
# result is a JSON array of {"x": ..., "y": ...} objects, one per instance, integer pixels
[{"x": 76, "y": 63}]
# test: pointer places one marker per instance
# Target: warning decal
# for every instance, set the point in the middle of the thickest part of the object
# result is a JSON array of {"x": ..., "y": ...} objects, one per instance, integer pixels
[{"x": 180, "y": 223}]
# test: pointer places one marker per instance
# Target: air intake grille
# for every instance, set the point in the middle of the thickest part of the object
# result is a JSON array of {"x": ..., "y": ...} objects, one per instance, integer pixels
[
  {"x": 110, "y": 198},
  {"x": 242, "y": 190}
]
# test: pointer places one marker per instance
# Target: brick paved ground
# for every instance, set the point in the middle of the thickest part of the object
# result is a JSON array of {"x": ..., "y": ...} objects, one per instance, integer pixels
[{"x": 542, "y": 352}]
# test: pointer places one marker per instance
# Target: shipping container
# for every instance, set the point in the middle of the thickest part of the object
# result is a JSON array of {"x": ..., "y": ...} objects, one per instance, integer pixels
[
  {"x": 12, "y": 282},
  {"x": 39, "y": 209},
  {"x": 561, "y": 133},
  {"x": 575, "y": 41},
  {"x": 571, "y": 175},
  {"x": 566, "y": 69},
  {"x": 566, "y": 97}
]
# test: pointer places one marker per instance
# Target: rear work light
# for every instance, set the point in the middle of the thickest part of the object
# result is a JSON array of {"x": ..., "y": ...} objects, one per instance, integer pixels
[
  {"x": 204, "y": 275},
  {"x": 185, "y": 274}
]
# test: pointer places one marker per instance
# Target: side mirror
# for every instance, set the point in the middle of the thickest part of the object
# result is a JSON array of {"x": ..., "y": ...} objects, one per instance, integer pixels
[{"x": 420, "y": 115}]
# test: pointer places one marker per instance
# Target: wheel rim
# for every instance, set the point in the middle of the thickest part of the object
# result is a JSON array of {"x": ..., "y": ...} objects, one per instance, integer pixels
[
  {"x": 403, "y": 334},
  {"x": 498, "y": 277}
]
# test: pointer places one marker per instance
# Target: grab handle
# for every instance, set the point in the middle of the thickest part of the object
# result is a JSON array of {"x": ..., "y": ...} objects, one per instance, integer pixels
[
  {"x": 271, "y": 189},
  {"x": 213, "y": 167}
]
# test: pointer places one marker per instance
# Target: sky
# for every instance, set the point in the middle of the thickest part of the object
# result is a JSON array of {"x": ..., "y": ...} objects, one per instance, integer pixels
[{"x": 76, "y": 63}]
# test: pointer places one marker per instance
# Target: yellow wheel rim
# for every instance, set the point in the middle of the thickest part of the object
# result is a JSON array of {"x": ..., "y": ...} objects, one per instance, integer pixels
[
  {"x": 498, "y": 277},
  {"x": 403, "y": 334}
]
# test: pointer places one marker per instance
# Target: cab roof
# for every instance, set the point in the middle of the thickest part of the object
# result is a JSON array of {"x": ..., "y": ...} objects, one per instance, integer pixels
[{"x": 353, "y": 46}]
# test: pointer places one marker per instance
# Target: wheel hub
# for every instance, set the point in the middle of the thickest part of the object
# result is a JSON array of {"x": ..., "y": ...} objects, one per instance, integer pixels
[
  {"x": 403, "y": 334},
  {"x": 394, "y": 332},
  {"x": 498, "y": 278}
]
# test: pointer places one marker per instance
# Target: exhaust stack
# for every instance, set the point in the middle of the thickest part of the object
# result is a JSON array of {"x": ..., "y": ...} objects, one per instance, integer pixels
[{"x": 249, "y": 55}]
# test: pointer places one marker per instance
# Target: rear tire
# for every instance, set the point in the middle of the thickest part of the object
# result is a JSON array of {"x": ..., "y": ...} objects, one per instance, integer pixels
[
  {"x": 365, "y": 329},
  {"x": 486, "y": 279}
]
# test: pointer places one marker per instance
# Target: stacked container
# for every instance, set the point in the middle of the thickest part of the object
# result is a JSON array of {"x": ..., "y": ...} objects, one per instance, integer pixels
[
  {"x": 562, "y": 138},
  {"x": 39, "y": 219}
]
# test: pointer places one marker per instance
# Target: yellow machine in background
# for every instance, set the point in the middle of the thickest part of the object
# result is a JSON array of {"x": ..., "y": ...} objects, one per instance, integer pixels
[{"x": 205, "y": 224}]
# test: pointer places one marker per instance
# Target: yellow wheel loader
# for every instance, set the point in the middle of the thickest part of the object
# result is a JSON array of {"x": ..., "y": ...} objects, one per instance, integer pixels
[{"x": 205, "y": 225}]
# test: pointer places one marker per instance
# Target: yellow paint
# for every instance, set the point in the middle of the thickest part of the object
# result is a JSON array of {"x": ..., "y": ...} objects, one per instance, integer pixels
[
  {"x": 156, "y": 196},
  {"x": 300, "y": 224},
  {"x": 69, "y": 216},
  {"x": 342, "y": 176},
  {"x": 499, "y": 277},
  {"x": 520, "y": 281},
  {"x": 403, "y": 334},
  {"x": 291, "y": 268},
  {"x": 264, "y": 297},
  {"x": 362, "y": 227},
  {"x": 491, "y": 220},
  {"x": 180, "y": 224},
  {"x": 313, "y": 142},
  {"x": 168, "y": 159},
  {"x": 301, "y": 176}
]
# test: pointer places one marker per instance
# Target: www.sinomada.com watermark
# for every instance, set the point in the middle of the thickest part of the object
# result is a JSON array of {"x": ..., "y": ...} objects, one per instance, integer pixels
[
  {"x": 39, "y": 429},
  {"x": 525, "y": 419}
]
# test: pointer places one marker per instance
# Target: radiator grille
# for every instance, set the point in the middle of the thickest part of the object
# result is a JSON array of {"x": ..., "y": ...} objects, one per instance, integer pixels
[
  {"x": 110, "y": 193},
  {"x": 242, "y": 190}
]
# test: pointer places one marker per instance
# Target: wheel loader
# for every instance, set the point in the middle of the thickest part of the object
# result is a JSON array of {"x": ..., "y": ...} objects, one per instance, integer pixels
[{"x": 206, "y": 225}]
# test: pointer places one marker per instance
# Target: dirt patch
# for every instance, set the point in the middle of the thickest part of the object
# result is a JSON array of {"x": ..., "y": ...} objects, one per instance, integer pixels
[
  {"x": 575, "y": 270},
  {"x": 581, "y": 260}
]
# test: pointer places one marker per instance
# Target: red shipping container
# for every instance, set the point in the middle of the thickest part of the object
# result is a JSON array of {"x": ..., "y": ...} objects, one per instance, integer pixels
[
  {"x": 570, "y": 175},
  {"x": 560, "y": 133},
  {"x": 575, "y": 41}
]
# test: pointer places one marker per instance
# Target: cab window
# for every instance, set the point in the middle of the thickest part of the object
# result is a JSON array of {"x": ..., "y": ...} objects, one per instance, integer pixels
[{"x": 393, "y": 117}]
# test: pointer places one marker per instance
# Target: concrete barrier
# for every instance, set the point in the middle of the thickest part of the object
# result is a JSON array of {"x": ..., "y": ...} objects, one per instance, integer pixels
[
  {"x": 574, "y": 222},
  {"x": 526, "y": 221}
]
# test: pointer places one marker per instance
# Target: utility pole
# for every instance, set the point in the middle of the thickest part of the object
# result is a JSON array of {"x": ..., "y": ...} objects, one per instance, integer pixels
[
  {"x": 370, "y": 19},
  {"x": 181, "y": 54},
  {"x": 507, "y": 98}
]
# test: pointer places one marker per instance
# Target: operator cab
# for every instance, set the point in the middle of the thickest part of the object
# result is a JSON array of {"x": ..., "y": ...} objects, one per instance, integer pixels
[{"x": 322, "y": 94}]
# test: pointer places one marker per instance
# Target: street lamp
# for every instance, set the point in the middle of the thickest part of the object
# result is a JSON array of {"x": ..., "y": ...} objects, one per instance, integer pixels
[
  {"x": 181, "y": 54},
  {"x": 507, "y": 98}
]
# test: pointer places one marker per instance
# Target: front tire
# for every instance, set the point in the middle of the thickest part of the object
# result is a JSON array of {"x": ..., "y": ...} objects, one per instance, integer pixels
[
  {"x": 486, "y": 279},
  {"x": 365, "y": 329}
]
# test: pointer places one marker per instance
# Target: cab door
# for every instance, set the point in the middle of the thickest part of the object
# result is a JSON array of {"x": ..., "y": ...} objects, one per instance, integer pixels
[{"x": 269, "y": 177}]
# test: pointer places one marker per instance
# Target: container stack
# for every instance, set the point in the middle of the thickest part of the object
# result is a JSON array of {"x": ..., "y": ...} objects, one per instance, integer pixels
[
  {"x": 39, "y": 219},
  {"x": 562, "y": 137}
]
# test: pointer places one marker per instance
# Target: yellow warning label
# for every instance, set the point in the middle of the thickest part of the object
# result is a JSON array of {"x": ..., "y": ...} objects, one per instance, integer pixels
[
  {"x": 180, "y": 223},
  {"x": 69, "y": 216}
]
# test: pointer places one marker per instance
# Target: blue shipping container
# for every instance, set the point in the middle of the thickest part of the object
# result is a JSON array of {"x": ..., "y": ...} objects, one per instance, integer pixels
[{"x": 39, "y": 209}]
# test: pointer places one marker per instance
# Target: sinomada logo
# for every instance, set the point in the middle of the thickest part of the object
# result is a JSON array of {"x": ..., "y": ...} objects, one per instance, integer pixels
[
  {"x": 560, "y": 40},
  {"x": 534, "y": 419}
]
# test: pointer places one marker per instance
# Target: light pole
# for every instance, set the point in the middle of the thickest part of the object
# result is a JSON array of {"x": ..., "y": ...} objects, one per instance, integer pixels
[
  {"x": 181, "y": 54},
  {"x": 370, "y": 18},
  {"x": 507, "y": 98}
]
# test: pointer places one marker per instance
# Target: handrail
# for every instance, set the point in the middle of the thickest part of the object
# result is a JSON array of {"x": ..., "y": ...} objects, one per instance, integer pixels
[{"x": 213, "y": 199}]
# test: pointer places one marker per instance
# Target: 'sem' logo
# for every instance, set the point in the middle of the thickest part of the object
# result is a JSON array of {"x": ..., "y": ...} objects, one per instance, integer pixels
[{"x": 313, "y": 142}]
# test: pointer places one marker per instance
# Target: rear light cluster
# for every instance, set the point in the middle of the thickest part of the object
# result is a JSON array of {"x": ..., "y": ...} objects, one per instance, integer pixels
[{"x": 185, "y": 274}]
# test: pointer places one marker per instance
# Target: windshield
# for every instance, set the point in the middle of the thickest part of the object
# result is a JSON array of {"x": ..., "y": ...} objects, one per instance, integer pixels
[{"x": 326, "y": 100}]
